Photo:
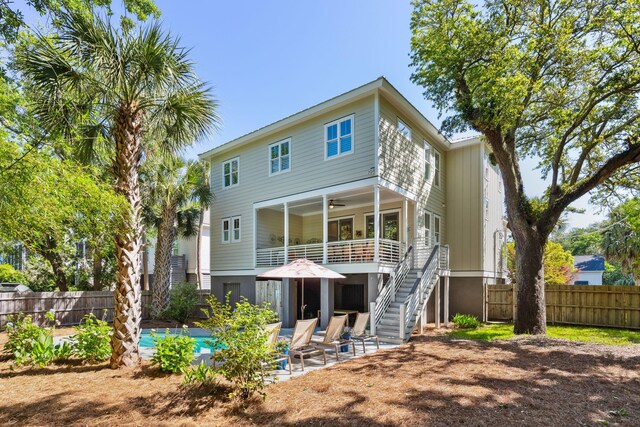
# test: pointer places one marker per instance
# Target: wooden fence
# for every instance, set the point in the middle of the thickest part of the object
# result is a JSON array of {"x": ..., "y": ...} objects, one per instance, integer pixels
[
  {"x": 587, "y": 305},
  {"x": 70, "y": 307}
]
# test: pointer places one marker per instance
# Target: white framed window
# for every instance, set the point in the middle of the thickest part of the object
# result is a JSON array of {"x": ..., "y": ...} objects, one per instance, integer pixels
[
  {"x": 404, "y": 129},
  {"x": 338, "y": 137},
  {"x": 432, "y": 228},
  {"x": 428, "y": 161},
  {"x": 280, "y": 157},
  {"x": 436, "y": 168},
  {"x": 226, "y": 230},
  {"x": 231, "y": 172},
  {"x": 235, "y": 229}
]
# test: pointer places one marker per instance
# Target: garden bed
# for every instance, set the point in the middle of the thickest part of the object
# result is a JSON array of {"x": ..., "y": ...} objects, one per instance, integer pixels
[{"x": 432, "y": 380}]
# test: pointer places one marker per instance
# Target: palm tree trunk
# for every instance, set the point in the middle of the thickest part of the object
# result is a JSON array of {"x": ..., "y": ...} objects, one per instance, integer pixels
[
  {"x": 127, "y": 309},
  {"x": 162, "y": 269},
  {"x": 145, "y": 261},
  {"x": 199, "y": 249}
]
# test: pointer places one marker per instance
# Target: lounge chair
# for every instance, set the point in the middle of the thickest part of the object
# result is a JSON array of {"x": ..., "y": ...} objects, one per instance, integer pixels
[
  {"x": 300, "y": 341},
  {"x": 332, "y": 338},
  {"x": 359, "y": 333},
  {"x": 274, "y": 331}
]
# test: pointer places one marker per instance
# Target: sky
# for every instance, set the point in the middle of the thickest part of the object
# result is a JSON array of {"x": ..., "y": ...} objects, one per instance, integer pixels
[{"x": 266, "y": 60}]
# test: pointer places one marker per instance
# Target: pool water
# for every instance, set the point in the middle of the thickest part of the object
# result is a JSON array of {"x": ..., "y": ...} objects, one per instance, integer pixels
[{"x": 203, "y": 342}]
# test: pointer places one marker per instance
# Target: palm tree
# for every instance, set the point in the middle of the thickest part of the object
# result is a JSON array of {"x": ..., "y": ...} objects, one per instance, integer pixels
[
  {"x": 176, "y": 192},
  {"x": 621, "y": 243},
  {"x": 95, "y": 85}
]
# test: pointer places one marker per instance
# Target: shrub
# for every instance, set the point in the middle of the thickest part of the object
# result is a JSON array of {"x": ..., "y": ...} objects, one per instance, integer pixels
[
  {"x": 242, "y": 337},
  {"x": 91, "y": 342},
  {"x": 30, "y": 344},
  {"x": 202, "y": 375},
  {"x": 182, "y": 301},
  {"x": 10, "y": 274},
  {"x": 174, "y": 353},
  {"x": 466, "y": 321}
]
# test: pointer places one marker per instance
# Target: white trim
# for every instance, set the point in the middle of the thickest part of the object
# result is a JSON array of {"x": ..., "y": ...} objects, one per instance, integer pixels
[
  {"x": 406, "y": 126},
  {"x": 485, "y": 274},
  {"x": 376, "y": 133},
  {"x": 230, "y": 161},
  {"x": 255, "y": 237},
  {"x": 220, "y": 273},
  {"x": 223, "y": 220},
  {"x": 397, "y": 189},
  {"x": 376, "y": 223},
  {"x": 428, "y": 161},
  {"x": 437, "y": 171},
  {"x": 338, "y": 122},
  {"x": 279, "y": 144},
  {"x": 317, "y": 192},
  {"x": 439, "y": 218},
  {"x": 286, "y": 232},
  {"x": 466, "y": 142},
  {"x": 233, "y": 229},
  {"x": 325, "y": 229},
  {"x": 382, "y": 212}
]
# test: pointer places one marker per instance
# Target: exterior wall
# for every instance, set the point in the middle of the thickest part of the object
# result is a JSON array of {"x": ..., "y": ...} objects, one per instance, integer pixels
[
  {"x": 464, "y": 202},
  {"x": 402, "y": 163},
  {"x": 247, "y": 286},
  {"x": 493, "y": 214},
  {"x": 592, "y": 277},
  {"x": 466, "y": 296},
  {"x": 309, "y": 171}
]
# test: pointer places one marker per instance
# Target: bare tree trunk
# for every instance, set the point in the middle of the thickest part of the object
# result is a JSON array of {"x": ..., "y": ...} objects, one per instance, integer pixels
[
  {"x": 162, "y": 269},
  {"x": 145, "y": 261},
  {"x": 199, "y": 249},
  {"x": 97, "y": 270},
  {"x": 530, "y": 307},
  {"x": 127, "y": 308}
]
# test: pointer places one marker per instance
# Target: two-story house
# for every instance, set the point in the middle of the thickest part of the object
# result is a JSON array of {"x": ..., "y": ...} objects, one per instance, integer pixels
[{"x": 364, "y": 184}]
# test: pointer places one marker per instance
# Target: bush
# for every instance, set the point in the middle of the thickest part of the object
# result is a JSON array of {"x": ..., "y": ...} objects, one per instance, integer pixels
[
  {"x": 201, "y": 375},
  {"x": 30, "y": 344},
  {"x": 174, "y": 353},
  {"x": 10, "y": 274},
  {"x": 182, "y": 301},
  {"x": 466, "y": 321},
  {"x": 242, "y": 337},
  {"x": 91, "y": 342}
]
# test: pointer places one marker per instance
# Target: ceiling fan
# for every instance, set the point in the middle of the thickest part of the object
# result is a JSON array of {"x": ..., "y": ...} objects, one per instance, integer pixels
[{"x": 332, "y": 204}]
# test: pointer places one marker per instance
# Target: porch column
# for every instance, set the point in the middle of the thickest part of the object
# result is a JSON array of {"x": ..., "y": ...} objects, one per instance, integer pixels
[
  {"x": 255, "y": 237},
  {"x": 376, "y": 223},
  {"x": 289, "y": 313},
  {"x": 286, "y": 233},
  {"x": 405, "y": 221},
  {"x": 437, "y": 304},
  {"x": 325, "y": 229},
  {"x": 326, "y": 302},
  {"x": 446, "y": 301}
]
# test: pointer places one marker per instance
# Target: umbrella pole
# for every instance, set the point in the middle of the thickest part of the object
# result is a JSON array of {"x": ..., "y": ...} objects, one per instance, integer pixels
[{"x": 302, "y": 306}]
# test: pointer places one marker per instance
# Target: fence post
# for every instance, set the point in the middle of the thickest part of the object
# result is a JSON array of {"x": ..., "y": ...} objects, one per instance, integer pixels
[{"x": 372, "y": 317}]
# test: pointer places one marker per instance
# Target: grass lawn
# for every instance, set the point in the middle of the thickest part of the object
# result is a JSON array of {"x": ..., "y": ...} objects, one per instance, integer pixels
[{"x": 501, "y": 331}]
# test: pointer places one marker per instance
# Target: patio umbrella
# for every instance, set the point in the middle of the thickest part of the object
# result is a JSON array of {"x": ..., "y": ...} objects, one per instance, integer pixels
[{"x": 301, "y": 269}]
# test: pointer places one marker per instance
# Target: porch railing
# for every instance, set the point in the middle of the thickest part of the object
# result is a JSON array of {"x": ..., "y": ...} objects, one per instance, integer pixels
[
  {"x": 388, "y": 292},
  {"x": 342, "y": 252}
]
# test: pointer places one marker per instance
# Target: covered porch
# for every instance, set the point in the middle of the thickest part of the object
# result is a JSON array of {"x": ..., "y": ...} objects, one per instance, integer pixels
[{"x": 365, "y": 225}]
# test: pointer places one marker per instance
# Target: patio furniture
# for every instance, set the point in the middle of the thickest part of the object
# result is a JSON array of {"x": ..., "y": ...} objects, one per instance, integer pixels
[
  {"x": 300, "y": 341},
  {"x": 359, "y": 331},
  {"x": 347, "y": 312},
  {"x": 274, "y": 331},
  {"x": 332, "y": 338}
]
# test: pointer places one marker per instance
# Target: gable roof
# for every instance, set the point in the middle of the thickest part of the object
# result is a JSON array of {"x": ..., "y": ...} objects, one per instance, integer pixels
[
  {"x": 589, "y": 262},
  {"x": 381, "y": 84}
]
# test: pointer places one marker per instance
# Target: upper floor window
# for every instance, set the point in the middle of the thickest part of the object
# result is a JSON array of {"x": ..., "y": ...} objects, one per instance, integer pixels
[
  {"x": 231, "y": 229},
  {"x": 436, "y": 168},
  {"x": 404, "y": 129},
  {"x": 231, "y": 172},
  {"x": 432, "y": 223},
  {"x": 338, "y": 137},
  {"x": 280, "y": 157},
  {"x": 428, "y": 160}
]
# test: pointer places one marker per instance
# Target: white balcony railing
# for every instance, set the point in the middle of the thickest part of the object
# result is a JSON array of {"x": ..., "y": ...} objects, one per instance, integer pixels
[{"x": 343, "y": 252}]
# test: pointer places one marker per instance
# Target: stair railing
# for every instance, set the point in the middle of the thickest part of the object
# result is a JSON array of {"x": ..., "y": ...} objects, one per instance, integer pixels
[
  {"x": 419, "y": 292},
  {"x": 388, "y": 293}
]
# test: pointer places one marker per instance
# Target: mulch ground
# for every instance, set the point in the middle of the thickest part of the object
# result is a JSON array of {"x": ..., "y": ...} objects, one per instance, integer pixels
[{"x": 433, "y": 380}]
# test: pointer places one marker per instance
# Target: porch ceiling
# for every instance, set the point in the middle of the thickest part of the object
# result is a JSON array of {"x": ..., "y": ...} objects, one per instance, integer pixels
[{"x": 351, "y": 199}]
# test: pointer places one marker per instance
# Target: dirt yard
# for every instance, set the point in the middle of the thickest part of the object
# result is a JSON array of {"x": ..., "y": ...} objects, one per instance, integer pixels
[{"x": 431, "y": 381}]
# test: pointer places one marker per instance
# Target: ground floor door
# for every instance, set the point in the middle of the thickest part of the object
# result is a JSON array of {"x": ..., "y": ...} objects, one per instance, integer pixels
[{"x": 311, "y": 298}]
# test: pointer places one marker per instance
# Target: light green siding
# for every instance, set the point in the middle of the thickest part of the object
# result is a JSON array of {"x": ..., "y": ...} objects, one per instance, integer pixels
[
  {"x": 402, "y": 163},
  {"x": 309, "y": 171}
]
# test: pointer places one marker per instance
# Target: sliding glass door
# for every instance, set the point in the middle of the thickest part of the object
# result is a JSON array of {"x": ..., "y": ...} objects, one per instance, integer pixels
[{"x": 389, "y": 226}]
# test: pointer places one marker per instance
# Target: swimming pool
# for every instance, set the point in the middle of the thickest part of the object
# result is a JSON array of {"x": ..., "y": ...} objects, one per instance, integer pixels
[{"x": 202, "y": 336}]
